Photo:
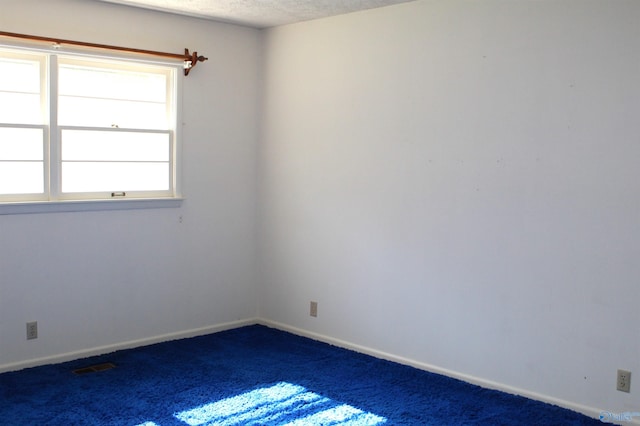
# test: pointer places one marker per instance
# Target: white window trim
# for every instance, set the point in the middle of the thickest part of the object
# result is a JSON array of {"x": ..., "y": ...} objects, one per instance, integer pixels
[
  {"x": 80, "y": 205},
  {"x": 29, "y": 207}
]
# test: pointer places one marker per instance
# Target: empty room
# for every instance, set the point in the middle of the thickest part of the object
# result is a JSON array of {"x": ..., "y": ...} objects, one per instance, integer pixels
[{"x": 374, "y": 212}]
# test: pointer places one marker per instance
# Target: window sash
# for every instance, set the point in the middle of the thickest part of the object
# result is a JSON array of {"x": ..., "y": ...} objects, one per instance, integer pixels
[
  {"x": 105, "y": 164},
  {"x": 134, "y": 97}
]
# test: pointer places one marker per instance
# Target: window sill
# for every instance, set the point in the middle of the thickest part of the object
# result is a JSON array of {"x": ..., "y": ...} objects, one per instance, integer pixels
[{"x": 29, "y": 207}]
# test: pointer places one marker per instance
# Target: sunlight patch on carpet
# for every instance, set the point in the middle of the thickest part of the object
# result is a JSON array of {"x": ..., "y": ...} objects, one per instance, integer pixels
[{"x": 286, "y": 403}]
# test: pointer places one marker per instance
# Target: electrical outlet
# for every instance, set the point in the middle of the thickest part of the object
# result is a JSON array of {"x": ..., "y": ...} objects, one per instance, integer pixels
[
  {"x": 32, "y": 330},
  {"x": 313, "y": 311},
  {"x": 624, "y": 381}
]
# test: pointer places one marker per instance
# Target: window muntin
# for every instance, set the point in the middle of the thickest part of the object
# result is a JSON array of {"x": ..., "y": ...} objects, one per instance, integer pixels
[{"x": 111, "y": 128}]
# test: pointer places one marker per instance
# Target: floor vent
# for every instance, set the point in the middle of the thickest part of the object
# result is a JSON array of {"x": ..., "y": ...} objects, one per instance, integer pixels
[{"x": 94, "y": 368}]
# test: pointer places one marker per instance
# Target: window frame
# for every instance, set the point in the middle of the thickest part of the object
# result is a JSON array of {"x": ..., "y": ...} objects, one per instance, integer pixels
[{"x": 53, "y": 199}]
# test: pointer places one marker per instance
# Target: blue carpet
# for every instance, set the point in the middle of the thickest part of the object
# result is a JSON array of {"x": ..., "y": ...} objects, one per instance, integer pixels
[{"x": 257, "y": 375}]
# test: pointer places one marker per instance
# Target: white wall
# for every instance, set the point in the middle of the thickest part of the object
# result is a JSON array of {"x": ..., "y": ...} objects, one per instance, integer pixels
[
  {"x": 104, "y": 278},
  {"x": 457, "y": 183}
]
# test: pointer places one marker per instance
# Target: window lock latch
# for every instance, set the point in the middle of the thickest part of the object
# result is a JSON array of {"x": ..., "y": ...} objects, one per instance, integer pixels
[{"x": 118, "y": 194}]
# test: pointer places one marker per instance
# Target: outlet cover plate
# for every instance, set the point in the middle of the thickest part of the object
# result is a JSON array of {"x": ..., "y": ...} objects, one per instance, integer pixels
[
  {"x": 624, "y": 381},
  {"x": 32, "y": 330}
]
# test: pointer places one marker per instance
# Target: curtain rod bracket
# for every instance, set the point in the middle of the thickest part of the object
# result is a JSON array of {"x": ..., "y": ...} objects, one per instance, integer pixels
[{"x": 191, "y": 60}]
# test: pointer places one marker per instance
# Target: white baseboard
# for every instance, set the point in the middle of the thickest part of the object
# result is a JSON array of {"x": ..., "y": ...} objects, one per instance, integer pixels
[
  {"x": 588, "y": 411},
  {"x": 100, "y": 350}
]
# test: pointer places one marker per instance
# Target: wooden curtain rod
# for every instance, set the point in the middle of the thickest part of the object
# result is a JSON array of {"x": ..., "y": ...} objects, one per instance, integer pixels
[{"x": 190, "y": 59}]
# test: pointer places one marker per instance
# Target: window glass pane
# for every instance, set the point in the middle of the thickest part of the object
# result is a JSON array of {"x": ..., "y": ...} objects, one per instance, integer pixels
[
  {"x": 89, "y": 145},
  {"x": 17, "y": 75},
  {"x": 92, "y": 112},
  {"x": 109, "y": 177},
  {"x": 21, "y": 177},
  {"x": 20, "y": 100},
  {"x": 20, "y": 108},
  {"x": 108, "y": 161},
  {"x": 107, "y": 97},
  {"x": 105, "y": 83},
  {"x": 21, "y": 144}
]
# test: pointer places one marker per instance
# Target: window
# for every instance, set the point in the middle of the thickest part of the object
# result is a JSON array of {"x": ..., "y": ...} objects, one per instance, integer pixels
[{"x": 85, "y": 128}]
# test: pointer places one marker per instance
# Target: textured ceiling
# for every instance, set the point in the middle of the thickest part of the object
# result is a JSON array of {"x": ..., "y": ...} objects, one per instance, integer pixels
[{"x": 259, "y": 13}]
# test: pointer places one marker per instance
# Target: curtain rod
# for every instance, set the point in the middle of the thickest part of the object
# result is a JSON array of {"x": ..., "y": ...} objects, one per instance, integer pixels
[{"x": 190, "y": 59}]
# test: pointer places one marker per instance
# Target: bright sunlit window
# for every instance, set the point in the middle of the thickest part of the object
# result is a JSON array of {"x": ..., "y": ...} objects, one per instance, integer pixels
[{"x": 86, "y": 128}]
